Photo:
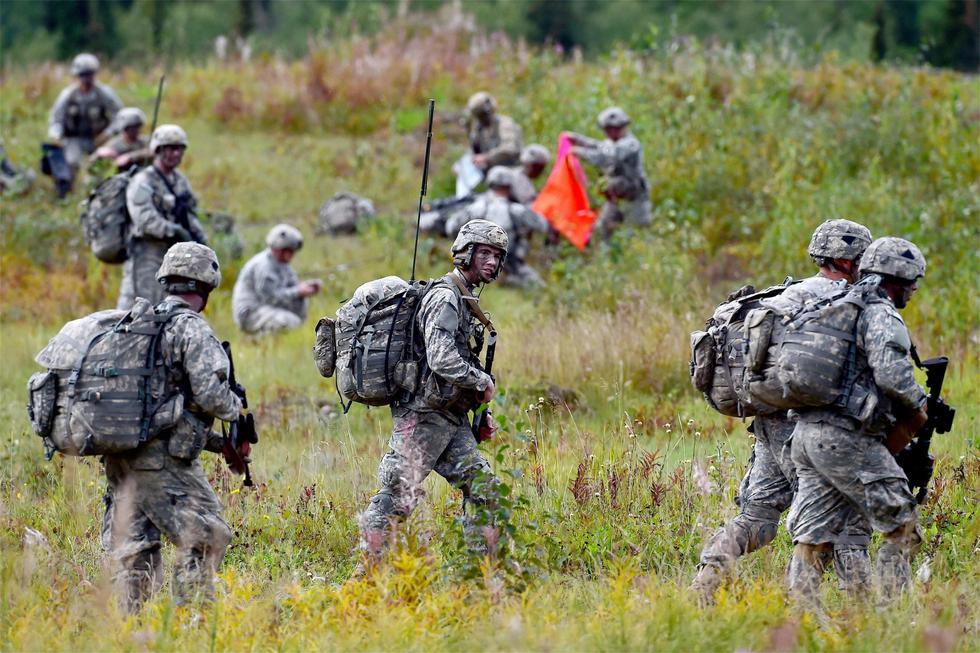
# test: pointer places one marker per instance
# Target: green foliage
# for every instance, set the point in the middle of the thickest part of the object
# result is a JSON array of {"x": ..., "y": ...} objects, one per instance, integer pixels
[{"x": 615, "y": 471}]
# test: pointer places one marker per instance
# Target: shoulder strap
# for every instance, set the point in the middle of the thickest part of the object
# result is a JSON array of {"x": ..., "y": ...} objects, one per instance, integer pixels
[{"x": 472, "y": 301}]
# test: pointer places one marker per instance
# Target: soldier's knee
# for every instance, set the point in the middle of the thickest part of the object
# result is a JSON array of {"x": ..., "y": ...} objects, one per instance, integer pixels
[
  {"x": 761, "y": 523},
  {"x": 220, "y": 537},
  {"x": 386, "y": 504}
]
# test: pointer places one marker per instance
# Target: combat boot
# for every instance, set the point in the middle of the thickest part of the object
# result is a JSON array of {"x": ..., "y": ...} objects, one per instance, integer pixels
[{"x": 707, "y": 581}]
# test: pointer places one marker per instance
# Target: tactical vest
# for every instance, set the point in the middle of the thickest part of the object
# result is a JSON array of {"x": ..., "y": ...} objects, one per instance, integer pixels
[
  {"x": 86, "y": 117},
  {"x": 106, "y": 389}
]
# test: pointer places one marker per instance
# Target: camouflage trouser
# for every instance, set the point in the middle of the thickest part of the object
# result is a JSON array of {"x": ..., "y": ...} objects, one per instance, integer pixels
[
  {"x": 76, "y": 149},
  {"x": 843, "y": 473},
  {"x": 421, "y": 443},
  {"x": 766, "y": 492},
  {"x": 267, "y": 319},
  {"x": 140, "y": 274},
  {"x": 615, "y": 212},
  {"x": 520, "y": 275},
  {"x": 149, "y": 494}
]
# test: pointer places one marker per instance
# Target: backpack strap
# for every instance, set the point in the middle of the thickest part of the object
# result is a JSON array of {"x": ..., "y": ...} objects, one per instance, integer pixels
[{"x": 471, "y": 301}]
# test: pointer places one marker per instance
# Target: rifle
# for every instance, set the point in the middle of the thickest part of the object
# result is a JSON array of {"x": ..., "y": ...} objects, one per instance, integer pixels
[
  {"x": 915, "y": 459},
  {"x": 481, "y": 420},
  {"x": 242, "y": 429}
]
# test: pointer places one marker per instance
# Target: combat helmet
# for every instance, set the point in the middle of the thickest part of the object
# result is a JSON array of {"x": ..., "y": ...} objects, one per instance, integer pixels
[
  {"x": 535, "y": 153},
  {"x": 481, "y": 105},
  {"x": 284, "y": 236},
  {"x": 613, "y": 117},
  {"x": 167, "y": 135},
  {"x": 839, "y": 239},
  {"x": 130, "y": 117},
  {"x": 84, "y": 64},
  {"x": 894, "y": 257},
  {"x": 500, "y": 177},
  {"x": 478, "y": 232},
  {"x": 190, "y": 267}
]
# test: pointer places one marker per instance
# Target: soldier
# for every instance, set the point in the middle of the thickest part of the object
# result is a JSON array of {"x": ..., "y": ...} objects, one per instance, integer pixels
[
  {"x": 14, "y": 179},
  {"x": 431, "y": 430},
  {"x": 770, "y": 480},
  {"x": 495, "y": 140},
  {"x": 534, "y": 159},
  {"x": 268, "y": 295},
  {"x": 843, "y": 465},
  {"x": 162, "y": 210},
  {"x": 620, "y": 157},
  {"x": 82, "y": 112},
  {"x": 160, "y": 487},
  {"x": 516, "y": 219},
  {"x": 128, "y": 147}
]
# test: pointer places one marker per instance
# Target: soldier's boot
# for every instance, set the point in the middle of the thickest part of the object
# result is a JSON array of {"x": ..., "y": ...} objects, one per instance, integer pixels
[
  {"x": 137, "y": 577},
  {"x": 894, "y": 566},
  {"x": 806, "y": 569},
  {"x": 853, "y": 567},
  {"x": 706, "y": 582}
]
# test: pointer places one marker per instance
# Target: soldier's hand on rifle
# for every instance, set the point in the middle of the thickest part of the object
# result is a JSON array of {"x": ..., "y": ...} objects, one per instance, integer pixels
[
  {"x": 488, "y": 393},
  {"x": 487, "y": 429},
  {"x": 235, "y": 462}
]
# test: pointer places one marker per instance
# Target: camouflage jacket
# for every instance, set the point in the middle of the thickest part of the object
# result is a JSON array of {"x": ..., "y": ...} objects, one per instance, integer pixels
[
  {"x": 156, "y": 209},
  {"x": 451, "y": 340},
  {"x": 264, "y": 281},
  {"x": 516, "y": 219},
  {"x": 83, "y": 115},
  {"x": 523, "y": 190},
  {"x": 621, "y": 163},
  {"x": 500, "y": 141},
  {"x": 885, "y": 388},
  {"x": 138, "y": 150}
]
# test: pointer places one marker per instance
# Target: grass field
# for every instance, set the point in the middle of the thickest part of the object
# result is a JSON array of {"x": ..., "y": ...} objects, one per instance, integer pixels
[{"x": 618, "y": 470}]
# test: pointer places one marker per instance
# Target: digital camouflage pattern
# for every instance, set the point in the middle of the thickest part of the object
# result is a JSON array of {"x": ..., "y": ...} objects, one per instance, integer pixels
[
  {"x": 895, "y": 257},
  {"x": 769, "y": 485},
  {"x": 626, "y": 189},
  {"x": 517, "y": 220},
  {"x": 839, "y": 239},
  {"x": 160, "y": 488},
  {"x": 342, "y": 213},
  {"x": 844, "y": 467},
  {"x": 138, "y": 149},
  {"x": 153, "y": 212},
  {"x": 431, "y": 432},
  {"x": 522, "y": 189},
  {"x": 499, "y": 141},
  {"x": 266, "y": 296},
  {"x": 77, "y": 117}
]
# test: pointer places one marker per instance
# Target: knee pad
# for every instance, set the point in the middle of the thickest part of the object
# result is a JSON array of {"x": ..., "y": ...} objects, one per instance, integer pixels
[{"x": 384, "y": 503}]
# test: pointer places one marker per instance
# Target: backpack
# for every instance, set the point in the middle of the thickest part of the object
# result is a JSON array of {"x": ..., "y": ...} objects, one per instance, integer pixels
[
  {"x": 815, "y": 357},
  {"x": 370, "y": 347},
  {"x": 105, "y": 218},
  {"x": 104, "y": 389},
  {"x": 342, "y": 213},
  {"x": 718, "y": 366}
]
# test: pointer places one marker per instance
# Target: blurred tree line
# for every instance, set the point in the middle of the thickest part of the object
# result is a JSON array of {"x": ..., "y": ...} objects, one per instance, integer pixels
[{"x": 938, "y": 32}]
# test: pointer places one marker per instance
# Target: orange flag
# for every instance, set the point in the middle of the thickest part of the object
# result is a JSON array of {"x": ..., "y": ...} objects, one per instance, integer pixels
[{"x": 563, "y": 200}]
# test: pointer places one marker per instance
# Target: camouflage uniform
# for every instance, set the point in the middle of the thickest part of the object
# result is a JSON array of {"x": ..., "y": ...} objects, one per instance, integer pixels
[
  {"x": 151, "y": 492},
  {"x": 266, "y": 296},
  {"x": 139, "y": 149},
  {"x": 518, "y": 221},
  {"x": 153, "y": 211},
  {"x": 842, "y": 463},
  {"x": 78, "y": 117},
  {"x": 768, "y": 487},
  {"x": 626, "y": 187},
  {"x": 523, "y": 191},
  {"x": 431, "y": 432}
]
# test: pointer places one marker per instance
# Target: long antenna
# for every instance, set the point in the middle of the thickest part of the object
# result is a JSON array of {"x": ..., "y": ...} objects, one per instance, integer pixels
[
  {"x": 156, "y": 107},
  {"x": 425, "y": 181}
]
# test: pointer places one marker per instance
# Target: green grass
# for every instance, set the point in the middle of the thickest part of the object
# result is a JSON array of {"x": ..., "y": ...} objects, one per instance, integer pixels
[{"x": 745, "y": 157}]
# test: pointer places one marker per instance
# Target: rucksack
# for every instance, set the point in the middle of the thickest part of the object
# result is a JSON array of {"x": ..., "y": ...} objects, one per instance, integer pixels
[
  {"x": 104, "y": 389},
  {"x": 370, "y": 347},
  {"x": 718, "y": 354},
  {"x": 105, "y": 218},
  {"x": 342, "y": 213},
  {"x": 815, "y": 358}
]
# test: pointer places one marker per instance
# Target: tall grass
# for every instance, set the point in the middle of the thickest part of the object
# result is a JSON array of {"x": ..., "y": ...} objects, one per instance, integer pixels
[{"x": 619, "y": 471}]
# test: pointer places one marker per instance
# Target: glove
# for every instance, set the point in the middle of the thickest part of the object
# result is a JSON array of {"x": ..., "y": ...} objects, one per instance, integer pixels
[
  {"x": 236, "y": 463},
  {"x": 487, "y": 429},
  {"x": 181, "y": 235}
]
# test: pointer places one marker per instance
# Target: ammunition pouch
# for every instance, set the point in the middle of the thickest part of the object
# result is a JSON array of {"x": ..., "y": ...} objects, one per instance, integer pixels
[
  {"x": 42, "y": 397},
  {"x": 188, "y": 437}
]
